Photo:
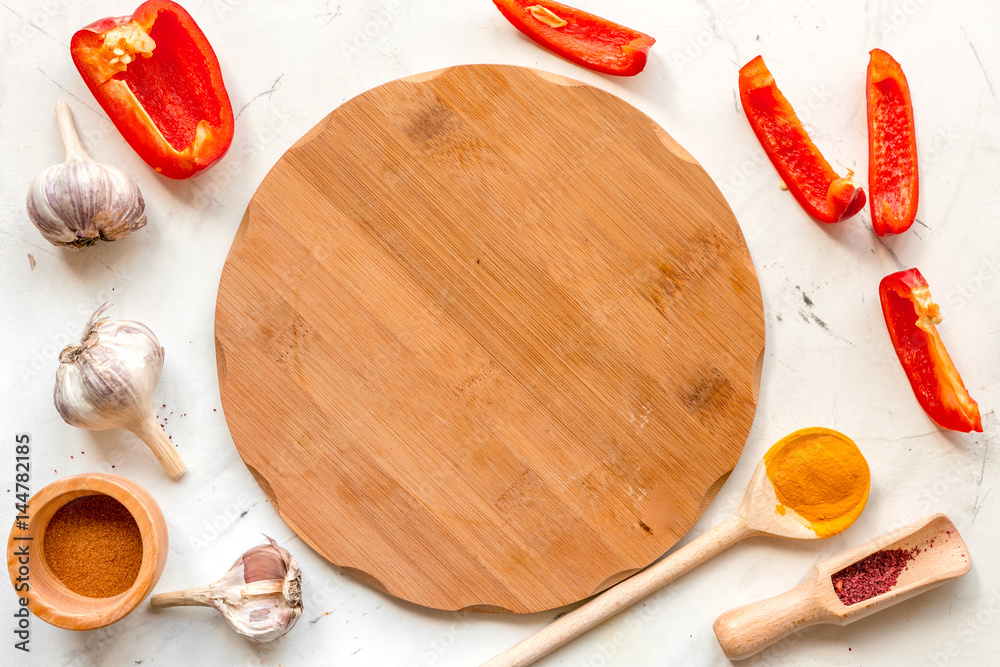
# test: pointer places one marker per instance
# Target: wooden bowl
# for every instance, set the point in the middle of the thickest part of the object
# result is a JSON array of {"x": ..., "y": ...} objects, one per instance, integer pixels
[{"x": 48, "y": 598}]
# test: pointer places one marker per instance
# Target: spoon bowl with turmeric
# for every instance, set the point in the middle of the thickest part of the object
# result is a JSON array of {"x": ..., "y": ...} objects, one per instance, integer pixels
[{"x": 811, "y": 484}]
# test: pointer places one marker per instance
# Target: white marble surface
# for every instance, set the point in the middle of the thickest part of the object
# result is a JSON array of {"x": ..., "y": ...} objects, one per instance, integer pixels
[{"x": 828, "y": 359}]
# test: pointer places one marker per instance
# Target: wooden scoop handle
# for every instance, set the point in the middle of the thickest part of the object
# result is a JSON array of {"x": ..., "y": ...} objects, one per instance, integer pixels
[
  {"x": 751, "y": 628},
  {"x": 622, "y": 595}
]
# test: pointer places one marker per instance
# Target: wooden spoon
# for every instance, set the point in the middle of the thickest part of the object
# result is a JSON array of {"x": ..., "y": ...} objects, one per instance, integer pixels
[
  {"x": 939, "y": 554},
  {"x": 758, "y": 514}
]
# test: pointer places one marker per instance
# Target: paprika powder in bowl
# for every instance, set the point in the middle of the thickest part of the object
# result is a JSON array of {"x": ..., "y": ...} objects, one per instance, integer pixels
[{"x": 86, "y": 550}]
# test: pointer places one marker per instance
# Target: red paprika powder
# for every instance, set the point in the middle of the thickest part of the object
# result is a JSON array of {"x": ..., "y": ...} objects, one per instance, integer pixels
[
  {"x": 93, "y": 545},
  {"x": 870, "y": 576}
]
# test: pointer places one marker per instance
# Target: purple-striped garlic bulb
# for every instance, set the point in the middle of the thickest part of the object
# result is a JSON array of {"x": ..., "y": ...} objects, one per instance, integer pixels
[
  {"x": 79, "y": 201},
  {"x": 107, "y": 381}
]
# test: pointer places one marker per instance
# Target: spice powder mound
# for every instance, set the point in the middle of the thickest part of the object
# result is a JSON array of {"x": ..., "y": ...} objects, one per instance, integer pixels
[
  {"x": 870, "y": 576},
  {"x": 93, "y": 545}
]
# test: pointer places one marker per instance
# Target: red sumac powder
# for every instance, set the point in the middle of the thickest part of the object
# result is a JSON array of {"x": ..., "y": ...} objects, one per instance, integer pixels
[
  {"x": 94, "y": 546},
  {"x": 870, "y": 576}
]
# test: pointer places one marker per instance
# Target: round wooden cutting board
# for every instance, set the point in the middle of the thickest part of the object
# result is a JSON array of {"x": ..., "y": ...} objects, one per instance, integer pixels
[{"x": 488, "y": 339}]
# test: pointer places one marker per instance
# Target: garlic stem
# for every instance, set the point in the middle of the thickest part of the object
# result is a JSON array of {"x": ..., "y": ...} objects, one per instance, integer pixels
[
  {"x": 67, "y": 130},
  {"x": 149, "y": 432},
  {"x": 203, "y": 596},
  {"x": 192, "y": 597}
]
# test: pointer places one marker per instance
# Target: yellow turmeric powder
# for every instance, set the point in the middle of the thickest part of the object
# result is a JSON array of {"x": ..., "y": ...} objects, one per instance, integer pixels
[{"x": 822, "y": 476}]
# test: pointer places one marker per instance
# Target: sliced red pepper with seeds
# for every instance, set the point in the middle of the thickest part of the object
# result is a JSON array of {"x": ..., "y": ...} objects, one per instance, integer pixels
[
  {"x": 892, "y": 146},
  {"x": 823, "y": 194},
  {"x": 582, "y": 38},
  {"x": 911, "y": 316},
  {"x": 158, "y": 79}
]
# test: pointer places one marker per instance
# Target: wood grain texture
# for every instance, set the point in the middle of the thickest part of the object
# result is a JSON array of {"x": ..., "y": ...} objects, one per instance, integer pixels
[
  {"x": 488, "y": 339},
  {"x": 50, "y": 599},
  {"x": 756, "y": 516}
]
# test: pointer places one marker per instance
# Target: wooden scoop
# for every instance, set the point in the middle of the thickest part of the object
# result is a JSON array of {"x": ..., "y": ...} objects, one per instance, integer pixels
[
  {"x": 939, "y": 554},
  {"x": 758, "y": 514}
]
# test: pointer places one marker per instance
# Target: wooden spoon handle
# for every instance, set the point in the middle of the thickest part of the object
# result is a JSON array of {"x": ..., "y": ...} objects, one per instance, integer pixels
[
  {"x": 751, "y": 628},
  {"x": 622, "y": 595}
]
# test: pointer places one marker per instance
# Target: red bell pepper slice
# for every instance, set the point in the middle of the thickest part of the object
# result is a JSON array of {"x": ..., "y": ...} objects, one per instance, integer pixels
[
  {"x": 158, "y": 79},
  {"x": 911, "y": 316},
  {"x": 814, "y": 184},
  {"x": 892, "y": 146},
  {"x": 579, "y": 37}
]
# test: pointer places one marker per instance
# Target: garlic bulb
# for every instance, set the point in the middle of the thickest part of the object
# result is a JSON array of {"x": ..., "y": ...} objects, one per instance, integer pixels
[
  {"x": 260, "y": 596},
  {"x": 79, "y": 201},
  {"x": 107, "y": 381}
]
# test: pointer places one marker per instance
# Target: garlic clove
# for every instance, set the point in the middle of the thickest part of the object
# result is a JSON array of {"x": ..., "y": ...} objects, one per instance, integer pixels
[
  {"x": 261, "y": 609},
  {"x": 80, "y": 201},
  {"x": 107, "y": 381},
  {"x": 264, "y": 562}
]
